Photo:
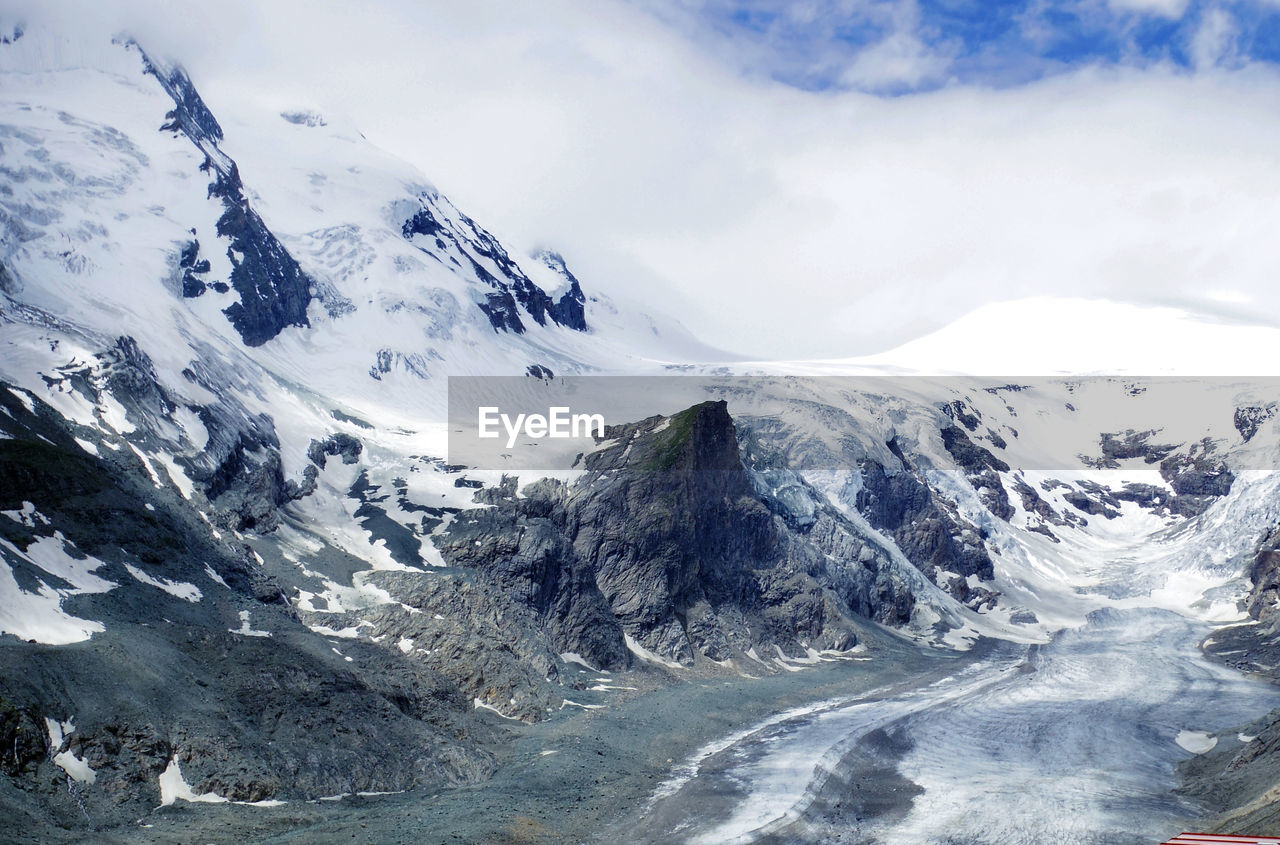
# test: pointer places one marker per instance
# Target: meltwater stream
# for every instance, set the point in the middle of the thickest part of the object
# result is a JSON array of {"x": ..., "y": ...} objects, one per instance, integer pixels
[{"x": 1072, "y": 742}]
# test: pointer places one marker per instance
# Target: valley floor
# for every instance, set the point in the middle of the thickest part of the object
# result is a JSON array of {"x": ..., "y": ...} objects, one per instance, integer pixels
[
  {"x": 1079, "y": 737},
  {"x": 568, "y": 779}
]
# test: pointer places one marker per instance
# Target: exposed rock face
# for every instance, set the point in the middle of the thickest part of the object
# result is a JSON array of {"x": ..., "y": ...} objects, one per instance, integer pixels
[
  {"x": 1197, "y": 475},
  {"x": 1093, "y": 499},
  {"x": 1250, "y": 418},
  {"x": 666, "y": 544},
  {"x": 274, "y": 291},
  {"x": 237, "y": 468},
  {"x": 981, "y": 468},
  {"x": 9, "y": 283},
  {"x": 335, "y": 445},
  {"x": 568, "y": 310},
  {"x": 1033, "y": 503},
  {"x": 1200, "y": 473},
  {"x": 193, "y": 267},
  {"x": 928, "y": 529},
  {"x": 448, "y": 235},
  {"x": 905, "y": 507},
  {"x": 1264, "y": 572},
  {"x": 472, "y": 632},
  {"x": 1121, "y": 446}
]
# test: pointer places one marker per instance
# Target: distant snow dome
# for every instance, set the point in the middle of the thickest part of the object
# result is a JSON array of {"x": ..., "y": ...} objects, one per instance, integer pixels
[{"x": 304, "y": 118}]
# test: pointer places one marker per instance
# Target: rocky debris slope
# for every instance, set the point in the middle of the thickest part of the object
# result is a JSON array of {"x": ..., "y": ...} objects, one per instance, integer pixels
[{"x": 148, "y": 640}]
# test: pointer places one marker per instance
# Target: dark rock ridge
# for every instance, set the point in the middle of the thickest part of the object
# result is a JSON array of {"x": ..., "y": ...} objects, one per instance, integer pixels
[
  {"x": 193, "y": 267},
  {"x": 1264, "y": 572},
  {"x": 453, "y": 238},
  {"x": 1035, "y": 505},
  {"x": 1092, "y": 498},
  {"x": 1200, "y": 473},
  {"x": 274, "y": 291}
]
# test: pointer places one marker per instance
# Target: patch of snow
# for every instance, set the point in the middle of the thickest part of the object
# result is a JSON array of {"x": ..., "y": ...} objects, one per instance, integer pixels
[
  {"x": 573, "y": 657},
  {"x": 215, "y": 577},
  {"x": 177, "y": 589},
  {"x": 113, "y": 415},
  {"x": 567, "y": 703},
  {"x": 644, "y": 653},
  {"x": 351, "y": 632},
  {"x": 173, "y": 787},
  {"x": 27, "y": 515},
  {"x": 480, "y": 705},
  {"x": 1197, "y": 742},
  {"x": 39, "y": 616},
  {"x": 76, "y": 768},
  {"x": 176, "y": 474},
  {"x": 58, "y": 731},
  {"x": 245, "y": 630}
]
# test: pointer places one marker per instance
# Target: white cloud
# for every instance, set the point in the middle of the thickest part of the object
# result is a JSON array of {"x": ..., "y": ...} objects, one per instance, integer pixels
[
  {"x": 778, "y": 221},
  {"x": 1214, "y": 39},
  {"x": 900, "y": 61},
  {"x": 1172, "y": 9}
]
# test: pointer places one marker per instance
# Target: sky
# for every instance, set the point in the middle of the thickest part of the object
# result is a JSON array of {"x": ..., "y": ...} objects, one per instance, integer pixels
[{"x": 800, "y": 179}]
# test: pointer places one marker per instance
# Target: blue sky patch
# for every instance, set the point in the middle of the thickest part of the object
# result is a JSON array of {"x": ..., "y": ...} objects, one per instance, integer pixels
[{"x": 902, "y": 46}]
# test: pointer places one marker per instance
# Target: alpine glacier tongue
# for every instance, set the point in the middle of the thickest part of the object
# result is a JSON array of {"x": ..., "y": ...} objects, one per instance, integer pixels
[{"x": 1074, "y": 740}]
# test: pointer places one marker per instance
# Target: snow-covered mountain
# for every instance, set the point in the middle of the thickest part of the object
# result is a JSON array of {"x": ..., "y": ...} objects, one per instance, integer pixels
[{"x": 226, "y": 348}]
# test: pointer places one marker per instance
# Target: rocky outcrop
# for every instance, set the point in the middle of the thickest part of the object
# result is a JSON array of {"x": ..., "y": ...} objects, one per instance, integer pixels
[
  {"x": 568, "y": 310},
  {"x": 193, "y": 268},
  {"x": 1196, "y": 472},
  {"x": 666, "y": 548},
  {"x": 927, "y": 528},
  {"x": 1249, "y": 418},
  {"x": 981, "y": 468},
  {"x": 1126, "y": 445},
  {"x": 335, "y": 445},
  {"x": 1264, "y": 573},
  {"x": 1198, "y": 477}
]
